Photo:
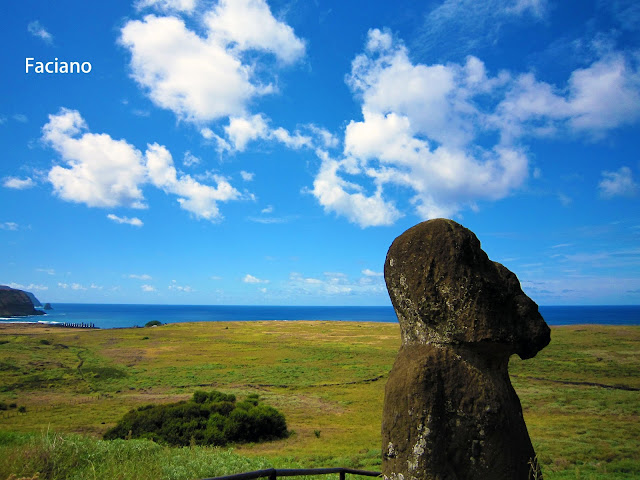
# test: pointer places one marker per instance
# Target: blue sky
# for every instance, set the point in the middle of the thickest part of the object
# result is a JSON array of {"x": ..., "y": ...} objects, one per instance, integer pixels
[{"x": 252, "y": 152}]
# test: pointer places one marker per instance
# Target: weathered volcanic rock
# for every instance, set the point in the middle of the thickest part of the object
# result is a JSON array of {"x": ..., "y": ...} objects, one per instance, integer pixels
[
  {"x": 16, "y": 303},
  {"x": 450, "y": 411}
]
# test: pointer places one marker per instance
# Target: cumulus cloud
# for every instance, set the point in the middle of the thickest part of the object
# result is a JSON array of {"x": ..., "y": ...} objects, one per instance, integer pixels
[
  {"x": 251, "y": 279},
  {"x": 247, "y": 176},
  {"x": 135, "y": 221},
  {"x": 348, "y": 199},
  {"x": 103, "y": 172},
  {"x": 195, "y": 78},
  {"x": 204, "y": 78},
  {"x": 148, "y": 288},
  {"x": 600, "y": 97},
  {"x": 242, "y": 130},
  {"x": 426, "y": 129},
  {"x": 618, "y": 183},
  {"x": 36, "y": 29},
  {"x": 249, "y": 25},
  {"x": 99, "y": 171},
  {"x": 418, "y": 123},
  {"x": 201, "y": 200},
  {"x": 295, "y": 141},
  {"x": 18, "y": 183}
]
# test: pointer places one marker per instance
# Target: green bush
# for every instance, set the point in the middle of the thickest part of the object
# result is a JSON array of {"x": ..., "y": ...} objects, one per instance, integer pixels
[
  {"x": 153, "y": 323},
  {"x": 209, "y": 418}
]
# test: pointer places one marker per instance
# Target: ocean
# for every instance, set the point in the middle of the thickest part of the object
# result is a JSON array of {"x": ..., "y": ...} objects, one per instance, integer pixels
[{"x": 123, "y": 316}]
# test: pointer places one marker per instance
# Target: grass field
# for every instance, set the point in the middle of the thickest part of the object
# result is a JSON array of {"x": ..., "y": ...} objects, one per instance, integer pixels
[{"x": 581, "y": 395}]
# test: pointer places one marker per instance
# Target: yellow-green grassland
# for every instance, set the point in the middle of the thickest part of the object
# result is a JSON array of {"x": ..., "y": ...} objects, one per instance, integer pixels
[{"x": 63, "y": 388}]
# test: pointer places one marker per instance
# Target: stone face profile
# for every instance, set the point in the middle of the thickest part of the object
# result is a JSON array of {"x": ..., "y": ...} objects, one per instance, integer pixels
[{"x": 450, "y": 411}]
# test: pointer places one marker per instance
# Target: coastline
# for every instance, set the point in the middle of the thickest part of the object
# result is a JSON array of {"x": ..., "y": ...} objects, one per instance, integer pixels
[{"x": 109, "y": 316}]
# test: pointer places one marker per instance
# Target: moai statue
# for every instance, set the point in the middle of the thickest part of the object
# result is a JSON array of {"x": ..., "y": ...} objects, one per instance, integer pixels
[{"x": 450, "y": 411}]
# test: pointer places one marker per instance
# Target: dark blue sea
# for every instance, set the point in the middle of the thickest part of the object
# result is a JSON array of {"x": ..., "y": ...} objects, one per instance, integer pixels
[{"x": 122, "y": 316}]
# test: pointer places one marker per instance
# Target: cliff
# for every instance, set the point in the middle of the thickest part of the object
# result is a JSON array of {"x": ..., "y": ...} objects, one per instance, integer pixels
[{"x": 16, "y": 303}]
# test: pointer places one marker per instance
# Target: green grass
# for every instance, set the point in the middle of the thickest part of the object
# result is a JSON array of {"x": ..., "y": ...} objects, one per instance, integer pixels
[{"x": 327, "y": 377}]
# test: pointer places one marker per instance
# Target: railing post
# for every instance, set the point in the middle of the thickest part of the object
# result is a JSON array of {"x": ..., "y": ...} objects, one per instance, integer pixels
[
  {"x": 273, "y": 475},
  {"x": 342, "y": 474}
]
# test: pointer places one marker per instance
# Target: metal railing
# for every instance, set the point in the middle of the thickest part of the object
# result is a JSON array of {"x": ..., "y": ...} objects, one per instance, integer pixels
[{"x": 274, "y": 473}]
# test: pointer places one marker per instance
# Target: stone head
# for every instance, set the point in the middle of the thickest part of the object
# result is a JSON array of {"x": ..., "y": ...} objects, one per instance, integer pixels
[{"x": 445, "y": 290}]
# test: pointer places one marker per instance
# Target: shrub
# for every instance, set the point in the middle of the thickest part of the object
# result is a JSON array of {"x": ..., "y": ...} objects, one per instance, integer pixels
[
  {"x": 153, "y": 323},
  {"x": 208, "y": 418}
]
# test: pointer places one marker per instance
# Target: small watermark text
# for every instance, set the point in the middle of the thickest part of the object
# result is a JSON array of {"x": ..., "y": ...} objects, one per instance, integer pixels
[{"x": 56, "y": 66}]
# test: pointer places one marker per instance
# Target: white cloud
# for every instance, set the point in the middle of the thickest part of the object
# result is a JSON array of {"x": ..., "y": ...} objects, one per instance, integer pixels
[
  {"x": 77, "y": 286},
  {"x": 347, "y": 199},
  {"x": 334, "y": 284},
  {"x": 603, "y": 96},
  {"x": 20, "y": 117},
  {"x": 48, "y": 271},
  {"x": 28, "y": 288},
  {"x": 295, "y": 141},
  {"x": 9, "y": 226},
  {"x": 249, "y": 25},
  {"x": 461, "y": 26},
  {"x": 18, "y": 183},
  {"x": 328, "y": 139},
  {"x": 537, "y": 8},
  {"x": 417, "y": 128},
  {"x": 179, "y": 288},
  {"x": 242, "y": 130},
  {"x": 370, "y": 273},
  {"x": 104, "y": 172},
  {"x": 99, "y": 171},
  {"x": 199, "y": 199},
  {"x": 426, "y": 129},
  {"x": 247, "y": 176},
  {"x": 267, "y": 209},
  {"x": 36, "y": 29},
  {"x": 195, "y": 78},
  {"x": 148, "y": 288},
  {"x": 207, "y": 133},
  {"x": 143, "y": 276},
  {"x": 190, "y": 159},
  {"x": 270, "y": 220},
  {"x": 204, "y": 78},
  {"x": 251, "y": 279},
  {"x": 187, "y": 6},
  {"x": 135, "y": 221},
  {"x": 619, "y": 183}
]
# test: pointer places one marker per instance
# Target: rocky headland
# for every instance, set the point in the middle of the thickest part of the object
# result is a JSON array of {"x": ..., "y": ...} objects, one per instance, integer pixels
[{"x": 16, "y": 303}]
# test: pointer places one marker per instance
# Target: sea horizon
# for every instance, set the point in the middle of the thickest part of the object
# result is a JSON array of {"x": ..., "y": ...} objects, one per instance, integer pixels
[{"x": 118, "y": 315}]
